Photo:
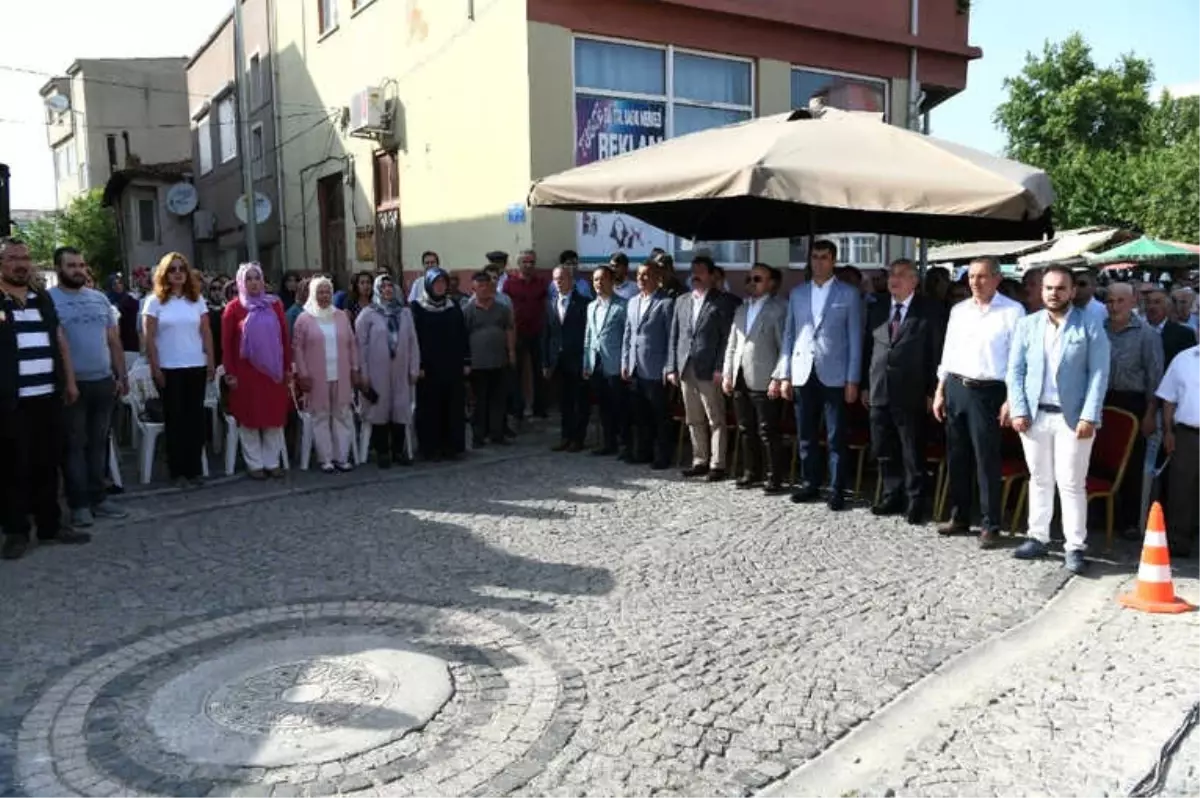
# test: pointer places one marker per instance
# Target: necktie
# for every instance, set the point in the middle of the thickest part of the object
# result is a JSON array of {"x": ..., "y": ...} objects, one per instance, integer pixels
[
  {"x": 562, "y": 308},
  {"x": 894, "y": 327}
]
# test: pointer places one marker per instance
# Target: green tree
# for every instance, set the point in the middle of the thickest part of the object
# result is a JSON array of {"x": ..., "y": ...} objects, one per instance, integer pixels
[{"x": 86, "y": 225}]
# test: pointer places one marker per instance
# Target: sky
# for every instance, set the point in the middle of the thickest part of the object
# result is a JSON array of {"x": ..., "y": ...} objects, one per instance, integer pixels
[{"x": 45, "y": 36}]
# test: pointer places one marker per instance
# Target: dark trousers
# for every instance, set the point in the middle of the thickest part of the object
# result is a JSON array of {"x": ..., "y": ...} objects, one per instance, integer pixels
[
  {"x": 86, "y": 425},
  {"x": 440, "y": 415},
  {"x": 1183, "y": 520},
  {"x": 390, "y": 442},
  {"x": 812, "y": 400},
  {"x": 30, "y": 453},
  {"x": 184, "y": 420},
  {"x": 651, "y": 425},
  {"x": 530, "y": 345},
  {"x": 896, "y": 440},
  {"x": 574, "y": 402},
  {"x": 758, "y": 418},
  {"x": 490, "y": 387},
  {"x": 611, "y": 400},
  {"x": 1129, "y": 497},
  {"x": 973, "y": 444}
]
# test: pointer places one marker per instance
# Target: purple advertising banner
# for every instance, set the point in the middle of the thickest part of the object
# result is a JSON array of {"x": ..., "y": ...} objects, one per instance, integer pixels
[{"x": 606, "y": 127}]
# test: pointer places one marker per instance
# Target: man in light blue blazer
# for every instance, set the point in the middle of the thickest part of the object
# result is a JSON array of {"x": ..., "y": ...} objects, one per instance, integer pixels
[
  {"x": 819, "y": 367},
  {"x": 643, "y": 366},
  {"x": 602, "y": 360},
  {"x": 1057, "y": 377}
]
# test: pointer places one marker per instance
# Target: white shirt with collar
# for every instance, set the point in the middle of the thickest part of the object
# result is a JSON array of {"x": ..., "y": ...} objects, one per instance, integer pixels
[
  {"x": 1181, "y": 386},
  {"x": 697, "y": 303},
  {"x": 820, "y": 297},
  {"x": 904, "y": 306},
  {"x": 978, "y": 338},
  {"x": 562, "y": 301},
  {"x": 1052, "y": 350},
  {"x": 753, "y": 307}
]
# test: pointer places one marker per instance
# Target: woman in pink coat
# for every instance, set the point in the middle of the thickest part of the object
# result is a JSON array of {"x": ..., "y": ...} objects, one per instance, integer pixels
[
  {"x": 326, "y": 373},
  {"x": 390, "y": 360}
]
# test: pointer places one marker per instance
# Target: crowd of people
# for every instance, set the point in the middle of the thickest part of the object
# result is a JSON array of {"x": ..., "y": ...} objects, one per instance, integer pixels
[{"x": 916, "y": 361}]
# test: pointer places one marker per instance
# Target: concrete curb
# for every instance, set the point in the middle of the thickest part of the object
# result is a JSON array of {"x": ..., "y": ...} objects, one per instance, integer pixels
[{"x": 877, "y": 748}]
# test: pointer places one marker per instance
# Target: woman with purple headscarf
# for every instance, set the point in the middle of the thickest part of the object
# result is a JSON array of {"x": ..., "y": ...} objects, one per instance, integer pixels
[{"x": 258, "y": 364}]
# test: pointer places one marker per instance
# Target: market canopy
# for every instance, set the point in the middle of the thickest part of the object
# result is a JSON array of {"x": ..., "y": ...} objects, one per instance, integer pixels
[
  {"x": 811, "y": 172},
  {"x": 1146, "y": 251}
]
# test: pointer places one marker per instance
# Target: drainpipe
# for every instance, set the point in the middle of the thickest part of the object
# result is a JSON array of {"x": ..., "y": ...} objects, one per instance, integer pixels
[{"x": 281, "y": 203}]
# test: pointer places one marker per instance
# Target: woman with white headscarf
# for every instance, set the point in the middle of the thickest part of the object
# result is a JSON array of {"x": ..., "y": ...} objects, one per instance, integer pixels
[
  {"x": 390, "y": 359},
  {"x": 326, "y": 357}
]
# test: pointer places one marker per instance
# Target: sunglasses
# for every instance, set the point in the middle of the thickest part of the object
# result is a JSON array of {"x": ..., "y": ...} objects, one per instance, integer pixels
[
  {"x": 754, "y": 279},
  {"x": 176, "y": 270}
]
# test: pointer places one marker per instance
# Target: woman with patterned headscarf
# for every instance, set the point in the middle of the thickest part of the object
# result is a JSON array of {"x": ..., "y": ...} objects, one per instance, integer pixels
[
  {"x": 326, "y": 373},
  {"x": 390, "y": 362},
  {"x": 257, "y": 361},
  {"x": 445, "y": 364}
]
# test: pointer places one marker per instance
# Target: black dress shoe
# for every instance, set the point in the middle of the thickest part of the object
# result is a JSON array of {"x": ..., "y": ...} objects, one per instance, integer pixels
[
  {"x": 888, "y": 507},
  {"x": 698, "y": 470},
  {"x": 67, "y": 537},
  {"x": 915, "y": 515},
  {"x": 561, "y": 446},
  {"x": 14, "y": 548},
  {"x": 837, "y": 502},
  {"x": 607, "y": 451},
  {"x": 774, "y": 489},
  {"x": 715, "y": 475},
  {"x": 747, "y": 481},
  {"x": 805, "y": 493}
]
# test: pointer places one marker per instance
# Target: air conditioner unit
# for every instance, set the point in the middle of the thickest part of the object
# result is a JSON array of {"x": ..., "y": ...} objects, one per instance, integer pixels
[
  {"x": 368, "y": 113},
  {"x": 204, "y": 225}
]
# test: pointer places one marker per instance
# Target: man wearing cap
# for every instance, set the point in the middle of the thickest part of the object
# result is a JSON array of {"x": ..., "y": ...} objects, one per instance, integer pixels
[
  {"x": 1056, "y": 381},
  {"x": 624, "y": 286},
  {"x": 497, "y": 267},
  {"x": 1180, "y": 395}
]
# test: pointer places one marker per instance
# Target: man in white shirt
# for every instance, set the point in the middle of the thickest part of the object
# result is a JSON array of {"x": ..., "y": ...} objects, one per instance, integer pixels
[
  {"x": 1085, "y": 295},
  {"x": 1180, "y": 395},
  {"x": 626, "y": 287},
  {"x": 429, "y": 260},
  {"x": 1057, "y": 378},
  {"x": 970, "y": 397}
]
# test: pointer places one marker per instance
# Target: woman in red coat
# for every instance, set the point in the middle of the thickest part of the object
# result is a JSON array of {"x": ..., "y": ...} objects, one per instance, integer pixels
[{"x": 258, "y": 364}]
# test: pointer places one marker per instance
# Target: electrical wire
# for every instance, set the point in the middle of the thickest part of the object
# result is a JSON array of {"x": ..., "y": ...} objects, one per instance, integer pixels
[{"x": 1153, "y": 782}]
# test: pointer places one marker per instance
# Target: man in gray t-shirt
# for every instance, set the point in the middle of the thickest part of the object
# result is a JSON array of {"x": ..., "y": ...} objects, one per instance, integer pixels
[
  {"x": 99, "y": 363},
  {"x": 493, "y": 341}
]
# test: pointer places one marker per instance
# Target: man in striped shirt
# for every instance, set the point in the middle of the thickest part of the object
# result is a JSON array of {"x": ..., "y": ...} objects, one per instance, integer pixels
[{"x": 36, "y": 378}]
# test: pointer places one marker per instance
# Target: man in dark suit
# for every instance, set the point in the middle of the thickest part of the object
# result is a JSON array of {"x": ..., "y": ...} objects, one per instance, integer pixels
[
  {"x": 696, "y": 355},
  {"x": 643, "y": 365},
  {"x": 903, "y": 346},
  {"x": 562, "y": 352},
  {"x": 1176, "y": 337}
]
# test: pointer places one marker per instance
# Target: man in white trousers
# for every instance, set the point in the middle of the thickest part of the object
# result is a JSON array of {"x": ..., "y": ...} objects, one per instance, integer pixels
[{"x": 1057, "y": 378}]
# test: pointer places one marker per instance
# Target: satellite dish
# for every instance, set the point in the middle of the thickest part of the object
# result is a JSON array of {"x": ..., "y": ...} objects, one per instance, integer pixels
[
  {"x": 58, "y": 103},
  {"x": 182, "y": 199},
  {"x": 262, "y": 208}
]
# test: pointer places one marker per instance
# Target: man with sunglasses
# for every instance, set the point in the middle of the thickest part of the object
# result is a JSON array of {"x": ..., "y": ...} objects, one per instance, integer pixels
[{"x": 1085, "y": 296}]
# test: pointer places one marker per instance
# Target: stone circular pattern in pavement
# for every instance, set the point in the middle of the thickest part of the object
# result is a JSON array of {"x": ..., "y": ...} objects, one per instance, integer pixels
[{"x": 98, "y": 730}]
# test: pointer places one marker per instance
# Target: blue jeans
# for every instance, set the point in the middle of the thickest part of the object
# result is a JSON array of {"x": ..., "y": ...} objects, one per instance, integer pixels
[
  {"x": 814, "y": 400},
  {"x": 86, "y": 425}
]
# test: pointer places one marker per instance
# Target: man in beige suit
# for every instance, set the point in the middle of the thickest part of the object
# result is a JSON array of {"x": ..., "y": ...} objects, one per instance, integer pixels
[{"x": 755, "y": 343}]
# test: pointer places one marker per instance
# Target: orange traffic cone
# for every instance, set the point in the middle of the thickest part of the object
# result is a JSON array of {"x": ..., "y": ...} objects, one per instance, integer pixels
[{"x": 1154, "y": 591}]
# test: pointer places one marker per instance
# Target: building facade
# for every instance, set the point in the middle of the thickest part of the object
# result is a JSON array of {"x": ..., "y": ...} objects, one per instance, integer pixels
[
  {"x": 109, "y": 114},
  {"x": 217, "y": 149},
  {"x": 481, "y": 97},
  {"x": 148, "y": 224}
]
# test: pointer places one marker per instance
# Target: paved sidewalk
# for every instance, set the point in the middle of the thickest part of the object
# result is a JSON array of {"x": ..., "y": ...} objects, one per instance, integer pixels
[{"x": 608, "y": 631}]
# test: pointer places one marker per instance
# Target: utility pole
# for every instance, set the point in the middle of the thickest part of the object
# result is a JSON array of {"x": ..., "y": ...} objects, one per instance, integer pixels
[{"x": 239, "y": 82}]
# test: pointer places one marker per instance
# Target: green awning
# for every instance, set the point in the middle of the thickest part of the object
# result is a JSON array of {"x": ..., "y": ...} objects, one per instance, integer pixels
[{"x": 1144, "y": 250}]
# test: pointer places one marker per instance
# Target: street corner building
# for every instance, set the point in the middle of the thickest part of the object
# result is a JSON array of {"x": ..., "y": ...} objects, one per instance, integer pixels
[{"x": 400, "y": 126}]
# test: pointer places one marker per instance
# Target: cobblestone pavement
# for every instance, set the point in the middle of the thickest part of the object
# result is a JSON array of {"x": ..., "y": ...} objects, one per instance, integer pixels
[
  {"x": 1089, "y": 718},
  {"x": 606, "y": 630}
]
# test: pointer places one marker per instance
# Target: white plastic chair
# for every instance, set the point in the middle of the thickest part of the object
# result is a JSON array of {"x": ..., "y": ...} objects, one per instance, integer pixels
[
  {"x": 308, "y": 443},
  {"x": 364, "y": 433},
  {"x": 114, "y": 463}
]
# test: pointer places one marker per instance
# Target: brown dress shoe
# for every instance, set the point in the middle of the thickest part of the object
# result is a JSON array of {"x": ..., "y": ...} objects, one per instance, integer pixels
[
  {"x": 953, "y": 528},
  {"x": 988, "y": 539}
]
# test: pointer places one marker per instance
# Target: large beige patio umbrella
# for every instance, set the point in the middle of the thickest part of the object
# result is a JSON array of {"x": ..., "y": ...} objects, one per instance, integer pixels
[{"x": 811, "y": 172}]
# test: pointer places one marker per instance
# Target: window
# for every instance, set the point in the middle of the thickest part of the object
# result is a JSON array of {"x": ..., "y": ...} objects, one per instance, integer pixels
[
  {"x": 628, "y": 96},
  {"x": 256, "y": 86},
  {"x": 258, "y": 164},
  {"x": 65, "y": 164},
  {"x": 147, "y": 214},
  {"x": 204, "y": 143},
  {"x": 227, "y": 124},
  {"x": 387, "y": 179},
  {"x": 849, "y": 93},
  {"x": 326, "y": 16}
]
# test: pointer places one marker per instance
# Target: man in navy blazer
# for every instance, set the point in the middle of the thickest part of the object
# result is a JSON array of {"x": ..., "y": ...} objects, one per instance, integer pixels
[
  {"x": 643, "y": 365},
  {"x": 602, "y": 360},
  {"x": 819, "y": 368},
  {"x": 562, "y": 356},
  {"x": 1057, "y": 377}
]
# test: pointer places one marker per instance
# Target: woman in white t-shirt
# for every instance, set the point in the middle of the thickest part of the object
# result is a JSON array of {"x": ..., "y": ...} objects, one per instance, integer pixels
[{"x": 179, "y": 347}]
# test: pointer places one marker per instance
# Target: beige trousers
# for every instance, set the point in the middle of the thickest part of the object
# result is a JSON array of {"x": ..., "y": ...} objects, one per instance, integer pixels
[
  {"x": 332, "y": 430},
  {"x": 704, "y": 412},
  {"x": 262, "y": 448}
]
